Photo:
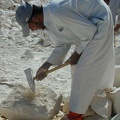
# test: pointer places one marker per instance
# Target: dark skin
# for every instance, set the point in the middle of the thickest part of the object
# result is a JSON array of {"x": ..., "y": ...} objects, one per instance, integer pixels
[
  {"x": 117, "y": 27},
  {"x": 74, "y": 58},
  {"x": 107, "y": 1},
  {"x": 36, "y": 23},
  {"x": 41, "y": 73}
]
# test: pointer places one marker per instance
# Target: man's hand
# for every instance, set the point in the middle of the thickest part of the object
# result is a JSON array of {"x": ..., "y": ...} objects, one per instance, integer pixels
[
  {"x": 41, "y": 73},
  {"x": 74, "y": 58}
]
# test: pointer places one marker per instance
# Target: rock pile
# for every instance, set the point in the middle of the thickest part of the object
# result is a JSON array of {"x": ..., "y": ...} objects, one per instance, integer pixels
[{"x": 22, "y": 104}]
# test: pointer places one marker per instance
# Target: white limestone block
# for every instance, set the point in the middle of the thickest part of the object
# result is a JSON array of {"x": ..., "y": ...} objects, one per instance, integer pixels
[
  {"x": 22, "y": 104},
  {"x": 47, "y": 40},
  {"x": 116, "y": 41},
  {"x": 29, "y": 38},
  {"x": 1, "y": 21},
  {"x": 2, "y": 17},
  {"x": 27, "y": 55},
  {"x": 7, "y": 4},
  {"x": 9, "y": 21},
  {"x": 26, "y": 0},
  {"x": 35, "y": 2},
  {"x": 46, "y": 43},
  {"x": 65, "y": 108},
  {"x": 117, "y": 59},
  {"x": 5, "y": 88},
  {"x": 0, "y": 1},
  {"x": 34, "y": 34},
  {"x": 2, "y": 12},
  {"x": 6, "y": 25},
  {"x": 44, "y": 38},
  {"x": 17, "y": 1},
  {"x": 11, "y": 13},
  {"x": 117, "y": 76},
  {"x": 114, "y": 96},
  {"x": 35, "y": 41},
  {"x": 4, "y": 32},
  {"x": 14, "y": 31},
  {"x": 102, "y": 106},
  {"x": 117, "y": 55},
  {"x": 95, "y": 117},
  {"x": 116, "y": 117}
]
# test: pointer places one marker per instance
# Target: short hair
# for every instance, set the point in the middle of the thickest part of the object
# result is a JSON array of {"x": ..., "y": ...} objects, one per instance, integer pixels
[
  {"x": 107, "y": 1},
  {"x": 36, "y": 11}
]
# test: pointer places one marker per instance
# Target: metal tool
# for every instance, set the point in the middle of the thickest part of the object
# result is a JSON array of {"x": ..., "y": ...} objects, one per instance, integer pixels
[
  {"x": 30, "y": 79},
  {"x": 31, "y": 83}
]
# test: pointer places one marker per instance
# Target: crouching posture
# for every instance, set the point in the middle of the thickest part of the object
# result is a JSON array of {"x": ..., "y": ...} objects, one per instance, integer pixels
[{"x": 88, "y": 25}]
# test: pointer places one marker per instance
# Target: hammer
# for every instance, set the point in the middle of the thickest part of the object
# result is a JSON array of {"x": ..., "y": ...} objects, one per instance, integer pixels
[{"x": 30, "y": 79}]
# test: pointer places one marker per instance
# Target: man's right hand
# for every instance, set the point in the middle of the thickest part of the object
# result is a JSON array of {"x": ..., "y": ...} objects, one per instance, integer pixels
[{"x": 41, "y": 73}]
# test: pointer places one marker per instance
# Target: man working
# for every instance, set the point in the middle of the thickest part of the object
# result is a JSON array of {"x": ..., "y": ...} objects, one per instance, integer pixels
[{"x": 87, "y": 24}]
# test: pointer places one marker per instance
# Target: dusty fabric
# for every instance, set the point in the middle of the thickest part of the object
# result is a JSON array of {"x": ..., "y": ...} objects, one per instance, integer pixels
[
  {"x": 65, "y": 28},
  {"x": 88, "y": 24}
]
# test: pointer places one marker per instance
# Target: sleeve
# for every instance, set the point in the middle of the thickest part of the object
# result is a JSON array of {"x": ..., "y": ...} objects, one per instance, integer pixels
[
  {"x": 80, "y": 47},
  {"x": 58, "y": 54},
  {"x": 80, "y": 26}
]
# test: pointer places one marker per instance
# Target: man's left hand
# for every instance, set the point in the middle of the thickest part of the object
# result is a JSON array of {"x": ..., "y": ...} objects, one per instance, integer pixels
[{"x": 74, "y": 58}]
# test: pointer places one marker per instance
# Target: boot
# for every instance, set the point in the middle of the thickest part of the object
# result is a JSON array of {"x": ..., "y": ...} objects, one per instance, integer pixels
[{"x": 72, "y": 116}]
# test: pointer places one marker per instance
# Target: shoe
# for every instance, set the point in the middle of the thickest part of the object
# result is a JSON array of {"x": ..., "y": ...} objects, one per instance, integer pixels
[{"x": 72, "y": 116}]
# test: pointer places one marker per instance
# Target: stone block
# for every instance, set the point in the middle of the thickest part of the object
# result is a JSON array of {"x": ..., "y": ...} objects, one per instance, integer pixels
[
  {"x": 95, "y": 117},
  {"x": 117, "y": 55},
  {"x": 22, "y": 104},
  {"x": 117, "y": 76},
  {"x": 7, "y": 4},
  {"x": 27, "y": 55},
  {"x": 102, "y": 106},
  {"x": 114, "y": 96}
]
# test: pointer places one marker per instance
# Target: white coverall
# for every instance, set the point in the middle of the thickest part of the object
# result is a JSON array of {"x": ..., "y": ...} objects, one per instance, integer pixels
[
  {"x": 115, "y": 9},
  {"x": 87, "y": 24}
]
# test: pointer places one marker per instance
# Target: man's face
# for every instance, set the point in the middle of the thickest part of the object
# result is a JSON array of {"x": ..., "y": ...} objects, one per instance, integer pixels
[{"x": 36, "y": 23}]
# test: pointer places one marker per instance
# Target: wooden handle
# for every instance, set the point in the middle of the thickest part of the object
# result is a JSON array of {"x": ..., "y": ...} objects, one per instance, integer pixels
[{"x": 58, "y": 67}]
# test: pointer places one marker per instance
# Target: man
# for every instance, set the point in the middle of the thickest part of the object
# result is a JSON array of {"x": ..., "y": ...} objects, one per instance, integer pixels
[
  {"x": 115, "y": 9},
  {"x": 87, "y": 24}
]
